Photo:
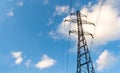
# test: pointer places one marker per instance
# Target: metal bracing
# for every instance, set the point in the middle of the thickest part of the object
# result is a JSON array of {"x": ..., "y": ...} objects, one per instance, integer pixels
[{"x": 84, "y": 62}]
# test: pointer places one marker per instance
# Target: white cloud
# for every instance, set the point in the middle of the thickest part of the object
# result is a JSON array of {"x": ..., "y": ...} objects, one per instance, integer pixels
[
  {"x": 18, "y": 60},
  {"x": 50, "y": 21},
  {"x": 54, "y": 35},
  {"x": 17, "y": 56},
  {"x": 45, "y": 2},
  {"x": 65, "y": 26},
  {"x": 73, "y": 50},
  {"x": 107, "y": 20},
  {"x": 11, "y": 13},
  {"x": 45, "y": 62},
  {"x": 60, "y": 10},
  {"x": 105, "y": 60},
  {"x": 20, "y": 3},
  {"x": 27, "y": 63}
]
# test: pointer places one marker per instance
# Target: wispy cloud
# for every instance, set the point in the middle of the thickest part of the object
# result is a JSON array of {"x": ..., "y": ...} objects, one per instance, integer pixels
[
  {"x": 105, "y": 60},
  {"x": 10, "y": 13},
  {"x": 45, "y": 2},
  {"x": 17, "y": 56},
  {"x": 50, "y": 21},
  {"x": 20, "y": 3},
  {"x": 45, "y": 62},
  {"x": 27, "y": 63},
  {"x": 60, "y": 10},
  {"x": 54, "y": 35}
]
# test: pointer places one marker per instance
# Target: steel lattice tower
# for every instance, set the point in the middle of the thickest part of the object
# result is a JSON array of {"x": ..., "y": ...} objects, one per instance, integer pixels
[{"x": 84, "y": 62}]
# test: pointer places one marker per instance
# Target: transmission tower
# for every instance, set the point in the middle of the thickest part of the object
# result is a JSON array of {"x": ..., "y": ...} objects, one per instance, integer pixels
[{"x": 84, "y": 62}]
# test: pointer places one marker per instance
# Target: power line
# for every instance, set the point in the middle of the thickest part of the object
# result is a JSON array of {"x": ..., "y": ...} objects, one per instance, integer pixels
[
  {"x": 71, "y": 6},
  {"x": 84, "y": 62},
  {"x": 96, "y": 22}
]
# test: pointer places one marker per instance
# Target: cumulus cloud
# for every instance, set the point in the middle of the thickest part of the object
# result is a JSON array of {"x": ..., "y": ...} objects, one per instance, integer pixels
[
  {"x": 18, "y": 60},
  {"x": 11, "y": 13},
  {"x": 61, "y": 10},
  {"x": 17, "y": 56},
  {"x": 45, "y": 62},
  {"x": 65, "y": 26},
  {"x": 108, "y": 22},
  {"x": 104, "y": 15},
  {"x": 105, "y": 60}
]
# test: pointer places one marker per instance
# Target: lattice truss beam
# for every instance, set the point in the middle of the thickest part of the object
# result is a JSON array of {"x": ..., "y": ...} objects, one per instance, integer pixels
[{"x": 84, "y": 62}]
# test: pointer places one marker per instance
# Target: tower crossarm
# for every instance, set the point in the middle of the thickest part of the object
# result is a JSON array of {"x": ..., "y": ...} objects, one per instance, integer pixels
[
  {"x": 86, "y": 22},
  {"x": 87, "y": 33},
  {"x": 84, "y": 62}
]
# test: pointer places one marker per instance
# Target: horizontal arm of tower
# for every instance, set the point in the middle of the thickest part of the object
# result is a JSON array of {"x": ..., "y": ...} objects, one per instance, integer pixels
[
  {"x": 72, "y": 20},
  {"x": 83, "y": 21},
  {"x": 87, "y": 33},
  {"x": 73, "y": 31},
  {"x": 82, "y": 15},
  {"x": 86, "y": 22}
]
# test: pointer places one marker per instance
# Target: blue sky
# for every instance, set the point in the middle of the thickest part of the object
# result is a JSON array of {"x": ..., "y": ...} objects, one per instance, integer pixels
[{"x": 34, "y": 37}]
